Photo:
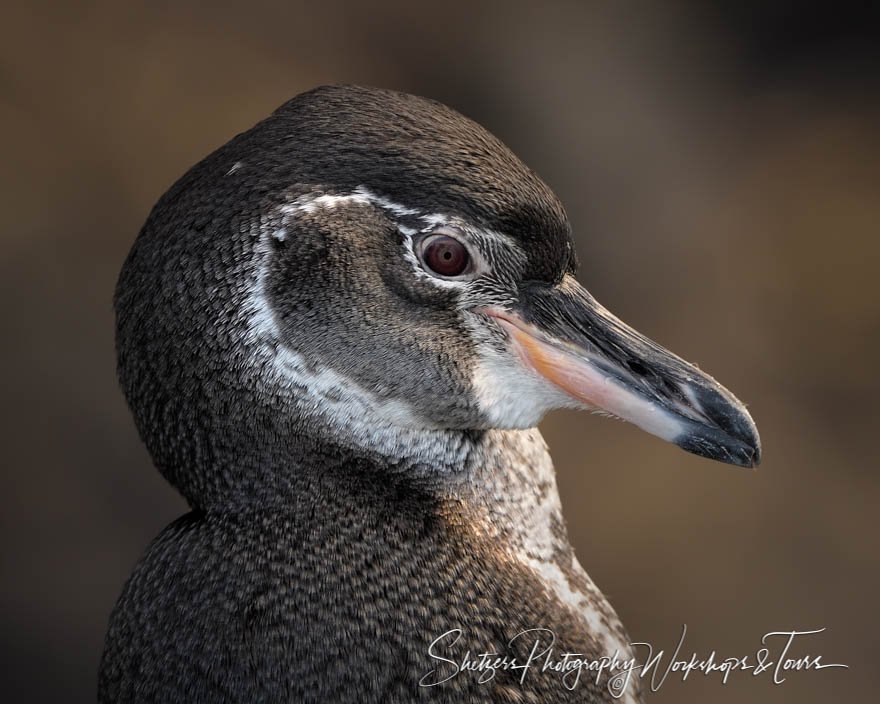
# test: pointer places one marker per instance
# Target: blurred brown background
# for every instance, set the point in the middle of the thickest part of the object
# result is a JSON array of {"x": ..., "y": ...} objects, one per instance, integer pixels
[{"x": 721, "y": 169}]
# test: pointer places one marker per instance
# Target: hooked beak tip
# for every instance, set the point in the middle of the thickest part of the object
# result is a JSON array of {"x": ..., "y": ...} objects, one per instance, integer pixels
[
  {"x": 725, "y": 431},
  {"x": 723, "y": 448}
]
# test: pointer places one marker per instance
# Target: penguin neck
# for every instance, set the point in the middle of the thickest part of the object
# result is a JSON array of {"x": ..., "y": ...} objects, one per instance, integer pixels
[
  {"x": 443, "y": 460},
  {"x": 495, "y": 487},
  {"x": 500, "y": 482},
  {"x": 326, "y": 424}
]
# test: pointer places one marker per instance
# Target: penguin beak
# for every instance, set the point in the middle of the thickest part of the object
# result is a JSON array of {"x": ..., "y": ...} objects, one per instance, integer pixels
[{"x": 564, "y": 335}]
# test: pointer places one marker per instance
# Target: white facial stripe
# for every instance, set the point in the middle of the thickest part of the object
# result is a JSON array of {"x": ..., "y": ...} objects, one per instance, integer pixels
[
  {"x": 365, "y": 417},
  {"x": 479, "y": 240},
  {"x": 433, "y": 221},
  {"x": 262, "y": 327},
  {"x": 395, "y": 208},
  {"x": 387, "y": 426},
  {"x": 508, "y": 397},
  {"x": 311, "y": 203}
]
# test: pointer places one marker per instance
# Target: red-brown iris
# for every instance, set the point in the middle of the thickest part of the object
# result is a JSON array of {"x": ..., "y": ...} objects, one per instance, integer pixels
[{"x": 446, "y": 256}]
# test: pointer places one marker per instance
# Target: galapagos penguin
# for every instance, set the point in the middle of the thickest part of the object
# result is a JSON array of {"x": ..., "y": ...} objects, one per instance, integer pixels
[{"x": 336, "y": 335}]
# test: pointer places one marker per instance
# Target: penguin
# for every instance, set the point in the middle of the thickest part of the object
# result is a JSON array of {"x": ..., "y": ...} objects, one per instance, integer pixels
[{"x": 337, "y": 334}]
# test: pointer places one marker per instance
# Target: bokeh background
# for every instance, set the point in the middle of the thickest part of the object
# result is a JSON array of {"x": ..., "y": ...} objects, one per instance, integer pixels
[{"x": 721, "y": 168}]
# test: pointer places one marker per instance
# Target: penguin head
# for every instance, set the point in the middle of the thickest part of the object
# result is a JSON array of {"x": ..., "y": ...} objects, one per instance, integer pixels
[{"x": 366, "y": 269}]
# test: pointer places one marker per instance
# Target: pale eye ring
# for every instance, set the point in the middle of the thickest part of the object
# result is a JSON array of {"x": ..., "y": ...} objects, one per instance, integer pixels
[{"x": 445, "y": 256}]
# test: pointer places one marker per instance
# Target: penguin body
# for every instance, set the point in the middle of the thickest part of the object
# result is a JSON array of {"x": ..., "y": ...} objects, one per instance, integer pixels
[{"x": 336, "y": 335}]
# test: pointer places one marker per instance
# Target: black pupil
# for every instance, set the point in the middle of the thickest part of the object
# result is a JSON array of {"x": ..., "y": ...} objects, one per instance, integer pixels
[{"x": 446, "y": 256}]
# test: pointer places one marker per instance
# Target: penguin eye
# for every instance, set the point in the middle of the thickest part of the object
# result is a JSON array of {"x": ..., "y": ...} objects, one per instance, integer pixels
[{"x": 445, "y": 256}]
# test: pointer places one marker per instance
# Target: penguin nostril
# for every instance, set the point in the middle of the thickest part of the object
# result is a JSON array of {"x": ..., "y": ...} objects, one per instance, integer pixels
[{"x": 637, "y": 368}]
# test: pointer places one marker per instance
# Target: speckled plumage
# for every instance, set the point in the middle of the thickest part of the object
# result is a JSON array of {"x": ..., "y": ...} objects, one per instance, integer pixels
[
  {"x": 353, "y": 434},
  {"x": 335, "y": 597}
]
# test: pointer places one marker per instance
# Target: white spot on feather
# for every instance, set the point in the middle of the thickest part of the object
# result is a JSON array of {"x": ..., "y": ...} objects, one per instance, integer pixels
[{"x": 310, "y": 203}]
